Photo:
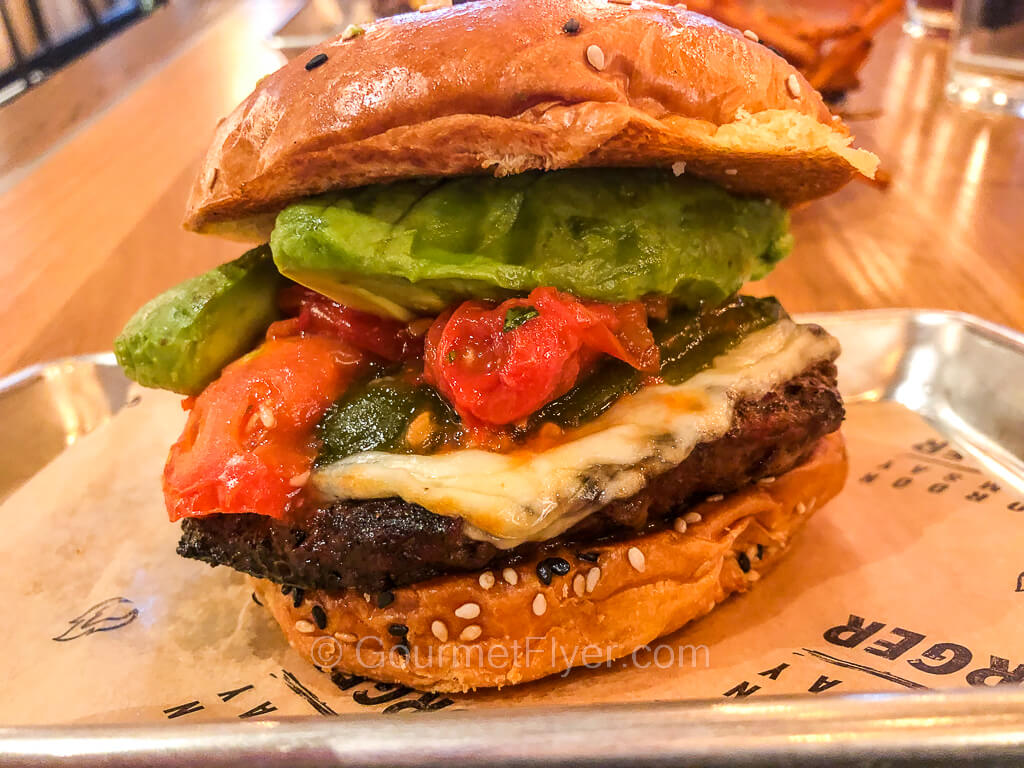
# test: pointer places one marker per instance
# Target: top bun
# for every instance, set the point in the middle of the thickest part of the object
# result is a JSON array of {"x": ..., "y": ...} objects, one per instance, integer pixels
[{"x": 506, "y": 86}]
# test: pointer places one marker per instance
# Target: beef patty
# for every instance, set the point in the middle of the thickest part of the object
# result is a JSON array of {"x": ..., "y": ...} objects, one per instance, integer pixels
[{"x": 376, "y": 544}]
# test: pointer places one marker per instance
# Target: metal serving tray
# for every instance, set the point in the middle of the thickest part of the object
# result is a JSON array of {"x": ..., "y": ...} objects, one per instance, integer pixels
[{"x": 962, "y": 374}]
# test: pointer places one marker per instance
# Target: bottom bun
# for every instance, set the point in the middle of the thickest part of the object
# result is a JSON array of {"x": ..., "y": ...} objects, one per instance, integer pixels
[{"x": 495, "y": 628}]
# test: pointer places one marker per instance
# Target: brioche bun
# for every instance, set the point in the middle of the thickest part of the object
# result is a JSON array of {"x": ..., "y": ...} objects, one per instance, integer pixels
[
  {"x": 501, "y": 86},
  {"x": 459, "y": 635}
]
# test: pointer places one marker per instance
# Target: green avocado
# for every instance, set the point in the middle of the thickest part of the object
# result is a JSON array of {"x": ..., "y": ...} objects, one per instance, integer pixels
[
  {"x": 414, "y": 247},
  {"x": 183, "y": 338}
]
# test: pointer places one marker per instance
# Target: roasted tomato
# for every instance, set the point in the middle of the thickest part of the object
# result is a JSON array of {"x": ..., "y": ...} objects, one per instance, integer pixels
[
  {"x": 498, "y": 364},
  {"x": 248, "y": 445},
  {"x": 315, "y": 313}
]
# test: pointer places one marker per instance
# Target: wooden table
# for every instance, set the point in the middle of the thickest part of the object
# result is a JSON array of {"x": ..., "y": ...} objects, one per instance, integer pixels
[{"x": 90, "y": 230}]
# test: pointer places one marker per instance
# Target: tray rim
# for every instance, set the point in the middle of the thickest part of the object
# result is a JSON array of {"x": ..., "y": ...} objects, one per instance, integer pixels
[{"x": 900, "y": 728}]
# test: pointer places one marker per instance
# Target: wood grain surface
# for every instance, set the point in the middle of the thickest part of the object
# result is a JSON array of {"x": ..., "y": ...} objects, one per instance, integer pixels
[{"x": 91, "y": 230}]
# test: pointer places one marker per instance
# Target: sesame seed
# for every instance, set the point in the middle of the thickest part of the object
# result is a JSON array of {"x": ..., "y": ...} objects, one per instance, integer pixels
[
  {"x": 398, "y": 630},
  {"x": 679, "y": 167},
  {"x": 366, "y": 596},
  {"x": 470, "y": 633},
  {"x": 588, "y": 557},
  {"x": 760, "y": 551},
  {"x": 486, "y": 580},
  {"x": 752, "y": 552},
  {"x": 744, "y": 562},
  {"x": 595, "y": 56},
  {"x": 801, "y": 508},
  {"x": 636, "y": 559},
  {"x": 439, "y": 630},
  {"x": 793, "y": 86},
  {"x": 320, "y": 617},
  {"x": 384, "y": 599},
  {"x": 316, "y": 61},
  {"x": 468, "y": 611},
  {"x": 766, "y": 480},
  {"x": 305, "y": 626},
  {"x": 297, "y": 596},
  {"x": 212, "y": 178},
  {"x": 565, "y": 589},
  {"x": 811, "y": 503},
  {"x": 402, "y": 650},
  {"x": 299, "y": 480},
  {"x": 693, "y": 517},
  {"x": 510, "y": 576},
  {"x": 571, "y": 27},
  {"x": 593, "y": 576},
  {"x": 679, "y": 525},
  {"x": 731, "y": 171},
  {"x": 579, "y": 584},
  {"x": 753, "y": 576},
  {"x": 715, "y": 498},
  {"x": 352, "y": 30},
  {"x": 751, "y": 35},
  {"x": 267, "y": 416},
  {"x": 346, "y": 637},
  {"x": 540, "y": 605}
]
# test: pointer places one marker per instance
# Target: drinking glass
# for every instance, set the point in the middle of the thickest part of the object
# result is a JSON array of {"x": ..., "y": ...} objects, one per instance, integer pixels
[
  {"x": 929, "y": 17},
  {"x": 986, "y": 56}
]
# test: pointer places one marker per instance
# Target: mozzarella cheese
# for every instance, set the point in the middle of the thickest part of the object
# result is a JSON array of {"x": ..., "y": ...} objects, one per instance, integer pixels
[{"x": 511, "y": 498}]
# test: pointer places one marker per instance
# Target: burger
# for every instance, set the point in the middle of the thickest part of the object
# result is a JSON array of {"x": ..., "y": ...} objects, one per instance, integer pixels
[{"x": 485, "y": 392}]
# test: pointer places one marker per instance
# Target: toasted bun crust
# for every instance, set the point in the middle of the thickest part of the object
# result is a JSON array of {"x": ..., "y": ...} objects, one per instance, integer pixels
[
  {"x": 620, "y": 609},
  {"x": 498, "y": 86}
]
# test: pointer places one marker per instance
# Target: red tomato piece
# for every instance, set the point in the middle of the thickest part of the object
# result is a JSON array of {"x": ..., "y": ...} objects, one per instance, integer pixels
[
  {"x": 315, "y": 313},
  {"x": 499, "y": 364},
  {"x": 248, "y": 445}
]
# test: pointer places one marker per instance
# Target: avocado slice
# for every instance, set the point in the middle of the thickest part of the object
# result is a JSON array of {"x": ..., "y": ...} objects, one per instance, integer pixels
[
  {"x": 414, "y": 247},
  {"x": 183, "y": 338}
]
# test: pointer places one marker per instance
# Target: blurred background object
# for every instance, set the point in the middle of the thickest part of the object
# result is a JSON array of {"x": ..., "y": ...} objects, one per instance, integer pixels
[
  {"x": 38, "y": 37},
  {"x": 827, "y": 40},
  {"x": 986, "y": 57},
  {"x": 929, "y": 17}
]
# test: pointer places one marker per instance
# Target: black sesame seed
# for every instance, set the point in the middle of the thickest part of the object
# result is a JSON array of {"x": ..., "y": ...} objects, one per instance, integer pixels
[
  {"x": 552, "y": 566},
  {"x": 744, "y": 561},
  {"x": 316, "y": 61},
  {"x": 285, "y": 589},
  {"x": 256, "y": 600},
  {"x": 384, "y": 599},
  {"x": 760, "y": 551},
  {"x": 589, "y": 557},
  {"x": 297, "y": 596},
  {"x": 560, "y": 566},
  {"x": 319, "y": 617},
  {"x": 544, "y": 572},
  {"x": 571, "y": 27},
  {"x": 398, "y": 630},
  {"x": 402, "y": 650}
]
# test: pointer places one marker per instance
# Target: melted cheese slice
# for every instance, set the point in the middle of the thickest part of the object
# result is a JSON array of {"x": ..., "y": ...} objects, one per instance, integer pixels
[{"x": 511, "y": 498}]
